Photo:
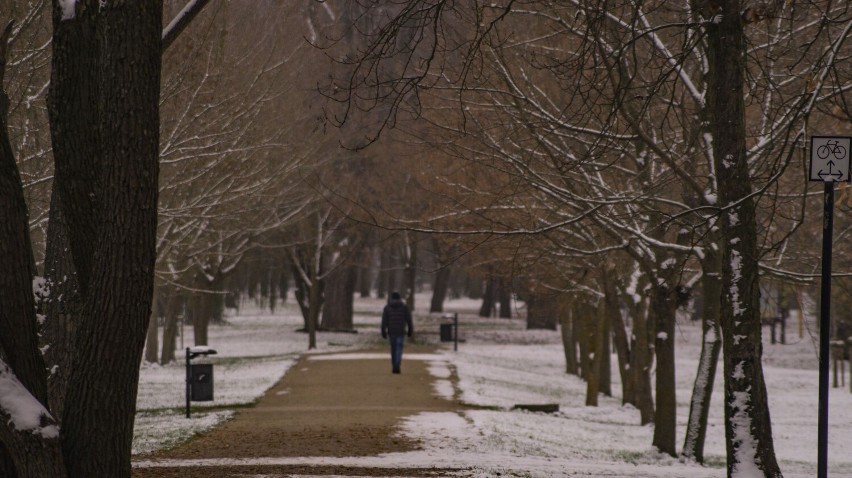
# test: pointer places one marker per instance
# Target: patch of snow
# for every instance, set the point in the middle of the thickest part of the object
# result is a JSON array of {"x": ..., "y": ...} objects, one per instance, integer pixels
[
  {"x": 26, "y": 414},
  {"x": 69, "y": 9}
]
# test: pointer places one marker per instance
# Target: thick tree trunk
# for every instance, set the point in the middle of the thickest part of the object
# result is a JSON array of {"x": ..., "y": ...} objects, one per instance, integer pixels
[
  {"x": 30, "y": 452},
  {"x": 541, "y": 312},
  {"x": 642, "y": 361},
  {"x": 488, "y": 297},
  {"x": 337, "y": 307},
  {"x": 61, "y": 315},
  {"x": 594, "y": 337},
  {"x": 202, "y": 311},
  {"x": 17, "y": 269},
  {"x": 569, "y": 345},
  {"x": 101, "y": 401},
  {"x": 748, "y": 428},
  {"x": 711, "y": 346},
  {"x": 439, "y": 289},
  {"x": 663, "y": 307}
]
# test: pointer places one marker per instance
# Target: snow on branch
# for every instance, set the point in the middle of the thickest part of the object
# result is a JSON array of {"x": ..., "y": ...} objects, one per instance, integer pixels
[
  {"x": 180, "y": 22},
  {"x": 26, "y": 414}
]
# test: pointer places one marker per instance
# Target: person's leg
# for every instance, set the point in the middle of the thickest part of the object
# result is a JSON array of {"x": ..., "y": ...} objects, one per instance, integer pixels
[
  {"x": 393, "y": 354},
  {"x": 396, "y": 353},
  {"x": 399, "y": 352}
]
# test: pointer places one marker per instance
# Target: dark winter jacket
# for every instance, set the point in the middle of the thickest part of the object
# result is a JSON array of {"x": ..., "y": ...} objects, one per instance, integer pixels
[{"x": 395, "y": 318}]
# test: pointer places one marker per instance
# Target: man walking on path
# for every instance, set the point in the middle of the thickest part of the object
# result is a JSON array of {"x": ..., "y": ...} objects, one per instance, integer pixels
[{"x": 395, "y": 318}]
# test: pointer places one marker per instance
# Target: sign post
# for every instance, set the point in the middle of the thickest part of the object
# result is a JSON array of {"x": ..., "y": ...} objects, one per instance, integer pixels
[{"x": 829, "y": 164}]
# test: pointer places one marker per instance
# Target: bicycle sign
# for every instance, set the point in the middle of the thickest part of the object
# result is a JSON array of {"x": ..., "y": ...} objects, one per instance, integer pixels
[{"x": 830, "y": 158}]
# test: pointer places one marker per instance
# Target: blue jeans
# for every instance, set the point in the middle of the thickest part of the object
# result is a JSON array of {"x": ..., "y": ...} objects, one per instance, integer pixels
[{"x": 396, "y": 342}]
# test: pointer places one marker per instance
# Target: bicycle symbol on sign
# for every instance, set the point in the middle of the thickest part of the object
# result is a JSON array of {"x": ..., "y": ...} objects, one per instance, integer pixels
[{"x": 833, "y": 148}]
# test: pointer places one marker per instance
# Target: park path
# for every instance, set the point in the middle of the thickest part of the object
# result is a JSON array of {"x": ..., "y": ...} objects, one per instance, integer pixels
[{"x": 326, "y": 405}]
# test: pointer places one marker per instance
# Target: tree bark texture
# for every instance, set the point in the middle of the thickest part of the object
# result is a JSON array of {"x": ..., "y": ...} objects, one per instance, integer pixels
[
  {"x": 60, "y": 315},
  {"x": 410, "y": 274},
  {"x": 711, "y": 346},
  {"x": 620, "y": 340},
  {"x": 488, "y": 297},
  {"x": 541, "y": 312},
  {"x": 23, "y": 453},
  {"x": 338, "y": 306},
  {"x": 642, "y": 359},
  {"x": 439, "y": 289},
  {"x": 569, "y": 345},
  {"x": 663, "y": 307},
  {"x": 101, "y": 401},
  {"x": 594, "y": 336},
  {"x": 605, "y": 361},
  {"x": 748, "y": 428},
  {"x": 174, "y": 301},
  {"x": 18, "y": 313},
  {"x": 152, "y": 340}
]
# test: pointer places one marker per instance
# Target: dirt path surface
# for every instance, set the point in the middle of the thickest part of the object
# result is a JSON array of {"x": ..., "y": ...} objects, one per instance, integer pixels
[{"x": 340, "y": 405}]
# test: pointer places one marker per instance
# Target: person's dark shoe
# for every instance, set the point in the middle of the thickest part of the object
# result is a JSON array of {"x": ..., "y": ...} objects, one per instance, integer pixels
[{"x": 396, "y": 370}]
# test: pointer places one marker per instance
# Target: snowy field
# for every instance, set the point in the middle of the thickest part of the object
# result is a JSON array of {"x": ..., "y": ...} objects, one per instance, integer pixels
[{"x": 500, "y": 364}]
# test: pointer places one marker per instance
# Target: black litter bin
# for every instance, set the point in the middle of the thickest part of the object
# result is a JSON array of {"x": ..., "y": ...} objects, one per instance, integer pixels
[
  {"x": 201, "y": 375},
  {"x": 446, "y": 332}
]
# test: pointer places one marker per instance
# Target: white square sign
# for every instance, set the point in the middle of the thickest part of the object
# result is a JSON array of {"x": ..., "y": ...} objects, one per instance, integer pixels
[{"x": 830, "y": 158}]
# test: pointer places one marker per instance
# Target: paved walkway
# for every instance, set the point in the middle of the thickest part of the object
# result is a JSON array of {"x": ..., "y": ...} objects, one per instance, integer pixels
[{"x": 340, "y": 405}]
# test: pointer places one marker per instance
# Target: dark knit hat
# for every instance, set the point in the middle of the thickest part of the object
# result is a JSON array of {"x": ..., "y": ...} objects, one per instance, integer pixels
[{"x": 395, "y": 296}]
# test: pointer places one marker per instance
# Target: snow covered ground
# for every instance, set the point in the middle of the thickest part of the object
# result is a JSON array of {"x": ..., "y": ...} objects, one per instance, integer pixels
[{"x": 501, "y": 364}]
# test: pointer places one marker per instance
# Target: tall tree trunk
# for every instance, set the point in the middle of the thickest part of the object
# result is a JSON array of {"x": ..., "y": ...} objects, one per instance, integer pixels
[
  {"x": 152, "y": 341},
  {"x": 364, "y": 275},
  {"x": 663, "y": 306},
  {"x": 748, "y": 428},
  {"x": 541, "y": 312},
  {"x": 642, "y": 361},
  {"x": 504, "y": 296},
  {"x": 61, "y": 315},
  {"x": 302, "y": 294},
  {"x": 314, "y": 304},
  {"x": 384, "y": 284},
  {"x": 439, "y": 289},
  {"x": 410, "y": 273},
  {"x": 569, "y": 344},
  {"x": 25, "y": 452},
  {"x": 594, "y": 337},
  {"x": 170, "y": 327},
  {"x": 283, "y": 284},
  {"x": 337, "y": 307},
  {"x": 605, "y": 362},
  {"x": 488, "y": 298},
  {"x": 620, "y": 340},
  {"x": 711, "y": 346},
  {"x": 577, "y": 337},
  {"x": 101, "y": 401},
  {"x": 202, "y": 311}
]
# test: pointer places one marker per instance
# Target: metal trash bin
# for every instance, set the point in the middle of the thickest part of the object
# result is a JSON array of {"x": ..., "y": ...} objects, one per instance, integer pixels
[
  {"x": 201, "y": 376},
  {"x": 446, "y": 332}
]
